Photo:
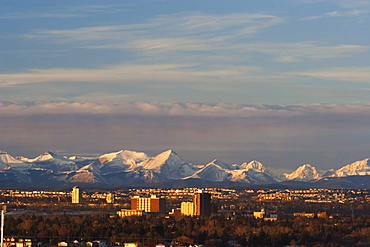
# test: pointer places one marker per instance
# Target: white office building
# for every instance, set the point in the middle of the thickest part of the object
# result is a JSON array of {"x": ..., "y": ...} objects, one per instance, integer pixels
[{"x": 76, "y": 195}]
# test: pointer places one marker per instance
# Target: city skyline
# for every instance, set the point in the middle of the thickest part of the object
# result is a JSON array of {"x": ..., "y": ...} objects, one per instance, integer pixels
[{"x": 282, "y": 82}]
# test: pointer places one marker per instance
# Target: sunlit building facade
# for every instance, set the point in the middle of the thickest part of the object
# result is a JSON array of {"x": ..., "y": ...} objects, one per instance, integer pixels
[
  {"x": 151, "y": 204},
  {"x": 187, "y": 208},
  {"x": 110, "y": 198},
  {"x": 202, "y": 204},
  {"x": 128, "y": 212},
  {"x": 76, "y": 195}
]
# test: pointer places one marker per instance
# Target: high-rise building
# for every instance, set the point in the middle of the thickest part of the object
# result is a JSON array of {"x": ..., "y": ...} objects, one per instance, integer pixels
[
  {"x": 110, "y": 198},
  {"x": 202, "y": 204},
  {"x": 187, "y": 208},
  {"x": 76, "y": 195},
  {"x": 151, "y": 204}
]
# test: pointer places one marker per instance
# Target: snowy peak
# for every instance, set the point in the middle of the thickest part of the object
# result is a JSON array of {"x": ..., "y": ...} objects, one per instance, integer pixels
[
  {"x": 54, "y": 162},
  {"x": 360, "y": 167},
  {"x": 252, "y": 176},
  {"x": 48, "y": 156},
  {"x": 87, "y": 174},
  {"x": 125, "y": 167},
  {"x": 119, "y": 161},
  {"x": 213, "y": 172},
  {"x": 23, "y": 159},
  {"x": 6, "y": 158},
  {"x": 76, "y": 158},
  {"x": 89, "y": 168},
  {"x": 124, "y": 157},
  {"x": 169, "y": 165},
  {"x": 221, "y": 164},
  {"x": 255, "y": 165},
  {"x": 329, "y": 173},
  {"x": 217, "y": 171},
  {"x": 168, "y": 157},
  {"x": 303, "y": 173}
]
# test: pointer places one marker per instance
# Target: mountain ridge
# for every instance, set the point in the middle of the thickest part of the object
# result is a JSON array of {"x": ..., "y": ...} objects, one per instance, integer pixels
[
  {"x": 132, "y": 168},
  {"x": 303, "y": 173}
]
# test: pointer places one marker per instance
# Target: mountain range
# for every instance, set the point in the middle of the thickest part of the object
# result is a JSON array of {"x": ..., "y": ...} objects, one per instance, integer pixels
[{"x": 130, "y": 168}]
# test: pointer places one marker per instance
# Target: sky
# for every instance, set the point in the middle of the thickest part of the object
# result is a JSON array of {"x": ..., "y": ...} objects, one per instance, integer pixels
[{"x": 283, "y": 82}]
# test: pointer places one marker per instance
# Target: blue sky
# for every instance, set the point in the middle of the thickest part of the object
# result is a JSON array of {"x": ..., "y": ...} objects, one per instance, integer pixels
[{"x": 279, "y": 81}]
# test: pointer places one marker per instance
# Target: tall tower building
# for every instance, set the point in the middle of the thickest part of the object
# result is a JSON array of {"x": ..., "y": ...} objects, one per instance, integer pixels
[
  {"x": 76, "y": 195},
  {"x": 187, "y": 208},
  {"x": 152, "y": 204},
  {"x": 202, "y": 204},
  {"x": 110, "y": 198}
]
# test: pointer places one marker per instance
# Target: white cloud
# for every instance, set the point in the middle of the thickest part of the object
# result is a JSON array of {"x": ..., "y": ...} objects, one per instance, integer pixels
[
  {"x": 174, "y": 73},
  {"x": 353, "y": 12},
  {"x": 166, "y": 33},
  {"x": 353, "y": 4},
  {"x": 169, "y": 44},
  {"x": 64, "y": 12},
  {"x": 301, "y": 51},
  {"x": 180, "y": 42},
  {"x": 177, "y": 25},
  {"x": 182, "y": 37},
  {"x": 183, "y": 109},
  {"x": 283, "y": 51},
  {"x": 355, "y": 74},
  {"x": 281, "y": 135},
  {"x": 203, "y": 71},
  {"x": 336, "y": 13}
]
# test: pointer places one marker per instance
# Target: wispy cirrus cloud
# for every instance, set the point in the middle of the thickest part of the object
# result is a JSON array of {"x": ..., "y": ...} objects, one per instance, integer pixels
[
  {"x": 193, "y": 24},
  {"x": 283, "y": 52},
  {"x": 301, "y": 51},
  {"x": 187, "y": 32},
  {"x": 336, "y": 13},
  {"x": 182, "y": 36},
  {"x": 64, "y": 12},
  {"x": 182, "y": 53},
  {"x": 352, "y": 4},
  {"x": 354, "y": 74},
  {"x": 182, "y": 73},
  {"x": 345, "y": 8},
  {"x": 130, "y": 74}
]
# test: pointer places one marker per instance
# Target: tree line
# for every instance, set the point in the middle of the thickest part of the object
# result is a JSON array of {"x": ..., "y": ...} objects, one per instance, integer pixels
[{"x": 215, "y": 230}]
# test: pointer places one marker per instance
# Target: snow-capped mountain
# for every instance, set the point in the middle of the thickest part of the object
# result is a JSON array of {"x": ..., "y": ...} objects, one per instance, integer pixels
[
  {"x": 6, "y": 159},
  {"x": 217, "y": 171},
  {"x": 360, "y": 167},
  {"x": 54, "y": 162},
  {"x": 255, "y": 165},
  {"x": 328, "y": 173},
  {"x": 223, "y": 165},
  {"x": 169, "y": 165},
  {"x": 126, "y": 168},
  {"x": 259, "y": 168},
  {"x": 303, "y": 173},
  {"x": 214, "y": 171},
  {"x": 76, "y": 157},
  {"x": 87, "y": 174},
  {"x": 47, "y": 156},
  {"x": 126, "y": 157},
  {"x": 120, "y": 161},
  {"x": 253, "y": 176}
]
